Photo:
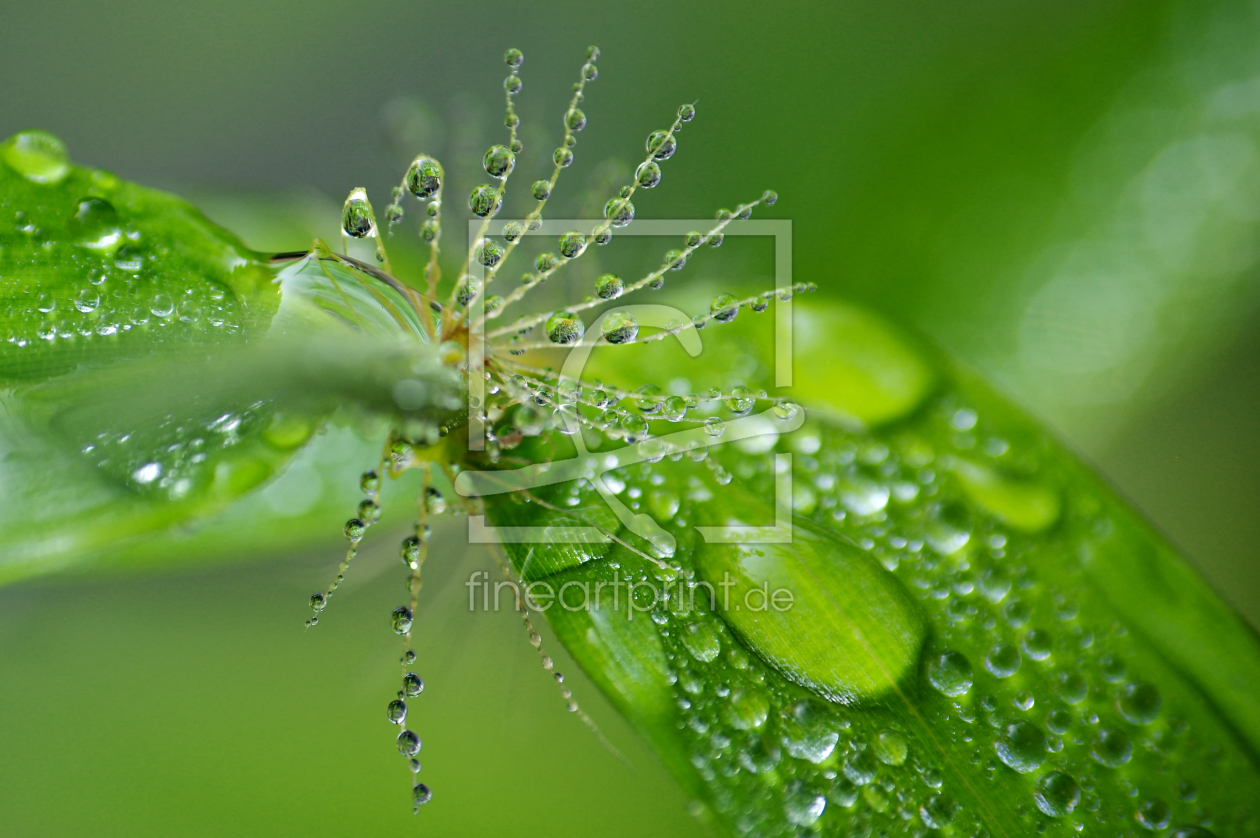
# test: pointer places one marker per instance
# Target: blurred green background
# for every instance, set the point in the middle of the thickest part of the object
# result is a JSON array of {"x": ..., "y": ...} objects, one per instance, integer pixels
[{"x": 1065, "y": 195}]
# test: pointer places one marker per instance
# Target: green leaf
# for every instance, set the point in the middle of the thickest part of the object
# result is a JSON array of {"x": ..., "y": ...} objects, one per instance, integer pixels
[
  {"x": 157, "y": 371},
  {"x": 983, "y": 639}
]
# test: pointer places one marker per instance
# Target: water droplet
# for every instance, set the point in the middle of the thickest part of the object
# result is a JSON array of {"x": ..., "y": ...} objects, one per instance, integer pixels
[
  {"x": 434, "y": 503},
  {"x": 648, "y": 174},
  {"x": 1191, "y": 832},
  {"x": 1072, "y": 687},
  {"x": 413, "y": 685},
  {"x": 950, "y": 673},
  {"x": 769, "y": 197},
  {"x": 634, "y": 427},
  {"x": 662, "y": 145},
  {"x": 746, "y": 708},
  {"x": 619, "y": 212},
  {"x": 421, "y": 795},
  {"x": 424, "y": 177},
  {"x": 529, "y": 420},
  {"x": 1057, "y": 794},
  {"x": 675, "y": 408},
  {"x": 702, "y": 641},
  {"x": 563, "y": 157},
  {"x": 1111, "y": 748},
  {"x": 489, "y": 252},
  {"x": 609, "y": 287},
  {"x": 564, "y": 327},
  {"x": 714, "y": 427},
  {"x": 318, "y": 602},
  {"x": 37, "y": 156},
  {"x": 1153, "y": 814},
  {"x": 1038, "y": 644},
  {"x": 408, "y": 743},
  {"x": 938, "y": 812},
  {"x": 396, "y": 712},
  {"x": 410, "y": 551},
  {"x": 620, "y": 327},
  {"x": 546, "y": 262},
  {"x": 1022, "y": 747},
  {"x": 890, "y": 747},
  {"x": 541, "y": 190},
  {"x": 686, "y": 112},
  {"x": 860, "y": 768},
  {"x": 1113, "y": 669},
  {"x": 785, "y": 410},
  {"x": 1059, "y": 721},
  {"x": 369, "y": 482},
  {"x": 575, "y": 120},
  {"x": 87, "y": 300},
  {"x": 356, "y": 216},
  {"x": 724, "y": 308},
  {"x": 499, "y": 161},
  {"x": 95, "y": 224},
  {"x": 741, "y": 400},
  {"x": 512, "y": 84},
  {"x": 802, "y": 805},
  {"x": 572, "y": 244},
  {"x": 1003, "y": 660},
  {"x": 1139, "y": 703},
  {"x": 354, "y": 530},
  {"x": 513, "y": 58},
  {"x": 484, "y": 201},
  {"x": 400, "y": 619}
]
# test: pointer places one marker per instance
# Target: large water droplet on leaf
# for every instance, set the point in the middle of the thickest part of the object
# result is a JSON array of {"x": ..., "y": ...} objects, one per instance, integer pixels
[
  {"x": 37, "y": 156},
  {"x": 850, "y": 632}
]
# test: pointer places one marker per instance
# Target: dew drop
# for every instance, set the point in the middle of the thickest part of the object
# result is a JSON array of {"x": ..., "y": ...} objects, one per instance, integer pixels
[
  {"x": 1153, "y": 814},
  {"x": 724, "y": 308},
  {"x": 356, "y": 216},
  {"x": 620, "y": 327},
  {"x": 702, "y": 642},
  {"x": 938, "y": 812},
  {"x": 541, "y": 190},
  {"x": 484, "y": 201},
  {"x": 499, "y": 162},
  {"x": 860, "y": 768},
  {"x": 400, "y": 619},
  {"x": 424, "y": 177},
  {"x": 396, "y": 712},
  {"x": 1003, "y": 660},
  {"x": 354, "y": 530},
  {"x": 434, "y": 503},
  {"x": 741, "y": 400},
  {"x": 413, "y": 685},
  {"x": 714, "y": 427},
  {"x": 513, "y": 58},
  {"x": 609, "y": 287},
  {"x": 890, "y": 747},
  {"x": 408, "y": 743},
  {"x": 37, "y": 156},
  {"x": 662, "y": 145},
  {"x": 675, "y": 408},
  {"x": 87, "y": 300},
  {"x": 95, "y": 223},
  {"x": 1139, "y": 703},
  {"x": 1072, "y": 687},
  {"x": 1111, "y": 748},
  {"x": 950, "y": 673},
  {"x": 1022, "y": 747},
  {"x": 648, "y": 174},
  {"x": 564, "y": 328},
  {"x": 802, "y": 805},
  {"x": 572, "y": 244},
  {"x": 1038, "y": 644},
  {"x": 1057, "y": 794},
  {"x": 619, "y": 212},
  {"x": 421, "y": 795},
  {"x": 318, "y": 602},
  {"x": 563, "y": 157}
]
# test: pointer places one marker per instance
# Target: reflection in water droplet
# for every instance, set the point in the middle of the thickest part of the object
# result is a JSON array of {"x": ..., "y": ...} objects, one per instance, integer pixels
[
  {"x": 950, "y": 673},
  {"x": 37, "y": 156},
  {"x": 1003, "y": 660},
  {"x": 702, "y": 641},
  {"x": 1057, "y": 794},
  {"x": 1154, "y": 814},
  {"x": 1022, "y": 747},
  {"x": 802, "y": 805},
  {"x": 890, "y": 747},
  {"x": 1139, "y": 703},
  {"x": 1111, "y": 748},
  {"x": 162, "y": 306}
]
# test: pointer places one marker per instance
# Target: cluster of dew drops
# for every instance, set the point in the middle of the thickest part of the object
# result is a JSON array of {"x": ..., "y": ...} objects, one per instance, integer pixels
[{"x": 542, "y": 400}]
